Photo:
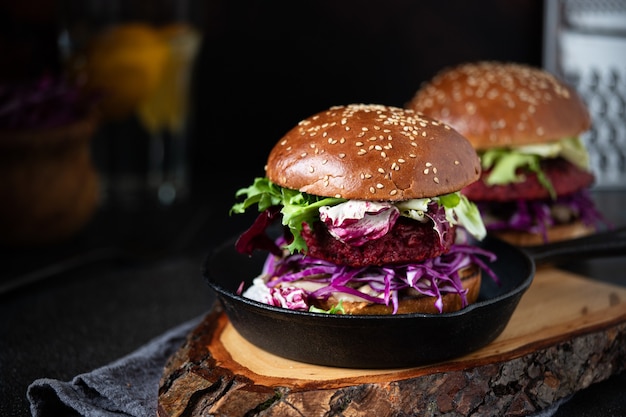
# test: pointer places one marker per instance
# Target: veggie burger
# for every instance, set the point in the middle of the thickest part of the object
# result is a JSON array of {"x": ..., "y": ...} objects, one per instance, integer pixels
[
  {"x": 525, "y": 125},
  {"x": 370, "y": 216}
]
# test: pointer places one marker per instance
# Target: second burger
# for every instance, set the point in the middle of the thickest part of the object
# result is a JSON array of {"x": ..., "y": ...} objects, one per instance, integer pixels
[{"x": 526, "y": 126}]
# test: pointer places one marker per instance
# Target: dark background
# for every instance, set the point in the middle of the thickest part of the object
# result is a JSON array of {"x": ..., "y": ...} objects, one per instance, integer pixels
[
  {"x": 267, "y": 65},
  {"x": 264, "y": 66}
]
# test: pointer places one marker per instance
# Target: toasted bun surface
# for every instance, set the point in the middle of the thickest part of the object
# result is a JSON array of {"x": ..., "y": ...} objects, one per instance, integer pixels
[
  {"x": 554, "y": 234},
  {"x": 373, "y": 152},
  {"x": 496, "y": 104},
  {"x": 418, "y": 303}
]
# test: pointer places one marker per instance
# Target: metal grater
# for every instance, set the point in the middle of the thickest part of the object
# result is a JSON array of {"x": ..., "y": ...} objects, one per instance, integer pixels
[{"x": 585, "y": 44}]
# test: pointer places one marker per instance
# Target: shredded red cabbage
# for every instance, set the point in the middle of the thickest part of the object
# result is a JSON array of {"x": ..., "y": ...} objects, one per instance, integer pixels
[
  {"x": 435, "y": 277},
  {"x": 47, "y": 102},
  {"x": 537, "y": 216}
]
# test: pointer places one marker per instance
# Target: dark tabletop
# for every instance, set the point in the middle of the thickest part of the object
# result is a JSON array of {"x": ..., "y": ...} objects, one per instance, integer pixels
[{"x": 131, "y": 275}]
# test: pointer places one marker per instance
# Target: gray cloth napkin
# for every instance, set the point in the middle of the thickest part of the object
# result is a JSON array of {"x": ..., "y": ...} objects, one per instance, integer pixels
[{"x": 126, "y": 387}]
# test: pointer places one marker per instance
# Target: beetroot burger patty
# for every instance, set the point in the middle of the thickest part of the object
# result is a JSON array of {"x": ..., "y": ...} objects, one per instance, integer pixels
[
  {"x": 565, "y": 177},
  {"x": 407, "y": 241}
]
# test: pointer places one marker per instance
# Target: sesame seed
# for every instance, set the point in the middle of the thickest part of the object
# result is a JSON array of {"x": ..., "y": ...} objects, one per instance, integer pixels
[
  {"x": 311, "y": 169},
  {"x": 434, "y": 170},
  {"x": 428, "y": 164},
  {"x": 382, "y": 171},
  {"x": 368, "y": 176},
  {"x": 402, "y": 161},
  {"x": 383, "y": 154},
  {"x": 379, "y": 186},
  {"x": 393, "y": 192},
  {"x": 426, "y": 171},
  {"x": 303, "y": 155},
  {"x": 359, "y": 143},
  {"x": 456, "y": 162},
  {"x": 436, "y": 180},
  {"x": 342, "y": 155},
  {"x": 372, "y": 190},
  {"x": 361, "y": 152},
  {"x": 325, "y": 161}
]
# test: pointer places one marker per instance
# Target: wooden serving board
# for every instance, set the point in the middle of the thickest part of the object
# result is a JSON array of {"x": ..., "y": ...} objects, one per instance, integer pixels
[{"x": 567, "y": 332}]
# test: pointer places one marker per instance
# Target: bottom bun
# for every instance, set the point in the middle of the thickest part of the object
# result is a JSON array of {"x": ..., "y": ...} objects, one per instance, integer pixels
[
  {"x": 555, "y": 234},
  {"x": 470, "y": 278}
]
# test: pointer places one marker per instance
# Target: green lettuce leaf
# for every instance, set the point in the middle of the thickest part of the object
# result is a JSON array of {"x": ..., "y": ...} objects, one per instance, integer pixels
[
  {"x": 297, "y": 208},
  {"x": 504, "y": 162},
  {"x": 465, "y": 214},
  {"x": 336, "y": 309}
]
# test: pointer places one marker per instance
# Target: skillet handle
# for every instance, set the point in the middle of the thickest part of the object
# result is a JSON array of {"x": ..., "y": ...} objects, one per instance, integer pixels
[{"x": 602, "y": 244}]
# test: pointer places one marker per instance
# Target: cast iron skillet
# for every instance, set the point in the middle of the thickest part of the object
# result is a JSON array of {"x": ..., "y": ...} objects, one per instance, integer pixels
[{"x": 386, "y": 341}]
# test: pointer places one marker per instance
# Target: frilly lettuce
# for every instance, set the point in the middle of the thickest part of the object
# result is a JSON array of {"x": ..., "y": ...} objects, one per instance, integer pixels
[
  {"x": 298, "y": 208},
  {"x": 504, "y": 162}
]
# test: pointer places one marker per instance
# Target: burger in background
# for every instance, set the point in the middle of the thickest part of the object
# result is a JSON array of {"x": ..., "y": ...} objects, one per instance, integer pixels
[
  {"x": 369, "y": 200},
  {"x": 525, "y": 125}
]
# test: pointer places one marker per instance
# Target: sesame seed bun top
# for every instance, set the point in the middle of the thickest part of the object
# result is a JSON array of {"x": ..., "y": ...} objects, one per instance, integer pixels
[
  {"x": 496, "y": 104},
  {"x": 373, "y": 152}
]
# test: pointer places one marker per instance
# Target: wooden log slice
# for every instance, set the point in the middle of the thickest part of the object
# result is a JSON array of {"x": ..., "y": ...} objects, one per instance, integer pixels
[{"x": 548, "y": 351}]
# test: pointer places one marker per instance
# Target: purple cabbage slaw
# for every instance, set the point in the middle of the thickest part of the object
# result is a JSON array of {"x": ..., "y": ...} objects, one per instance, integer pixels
[
  {"x": 434, "y": 277},
  {"x": 535, "y": 216},
  {"x": 47, "y": 102}
]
